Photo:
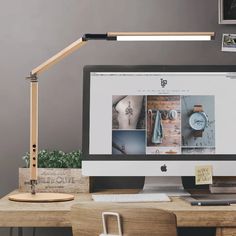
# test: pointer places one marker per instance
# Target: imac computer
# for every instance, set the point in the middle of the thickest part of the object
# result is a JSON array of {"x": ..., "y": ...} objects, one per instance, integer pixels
[{"x": 159, "y": 120}]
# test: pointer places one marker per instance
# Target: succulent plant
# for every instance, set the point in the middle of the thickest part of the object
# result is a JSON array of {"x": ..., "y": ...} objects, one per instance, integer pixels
[{"x": 56, "y": 159}]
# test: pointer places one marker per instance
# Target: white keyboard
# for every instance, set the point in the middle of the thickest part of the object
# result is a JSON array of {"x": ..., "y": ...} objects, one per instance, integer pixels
[{"x": 139, "y": 197}]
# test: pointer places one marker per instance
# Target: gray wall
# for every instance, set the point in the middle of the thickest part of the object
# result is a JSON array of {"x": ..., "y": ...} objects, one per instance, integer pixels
[{"x": 33, "y": 30}]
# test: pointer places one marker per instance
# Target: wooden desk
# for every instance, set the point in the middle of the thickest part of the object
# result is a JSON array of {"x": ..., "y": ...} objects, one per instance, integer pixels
[{"x": 16, "y": 214}]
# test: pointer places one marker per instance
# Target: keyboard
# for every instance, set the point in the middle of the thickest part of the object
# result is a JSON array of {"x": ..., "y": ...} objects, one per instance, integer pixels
[{"x": 139, "y": 197}]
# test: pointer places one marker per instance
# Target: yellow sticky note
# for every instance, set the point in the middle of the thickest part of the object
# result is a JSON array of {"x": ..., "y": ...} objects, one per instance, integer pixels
[{"x": 203, "y": 174}]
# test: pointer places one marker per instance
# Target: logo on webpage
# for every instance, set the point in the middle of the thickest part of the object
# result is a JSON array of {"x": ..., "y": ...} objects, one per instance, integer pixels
[{"x": 163, "y": 82}]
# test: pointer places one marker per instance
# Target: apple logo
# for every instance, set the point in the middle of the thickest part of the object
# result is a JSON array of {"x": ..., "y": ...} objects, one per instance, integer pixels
[{"x": 164, "y": 168}]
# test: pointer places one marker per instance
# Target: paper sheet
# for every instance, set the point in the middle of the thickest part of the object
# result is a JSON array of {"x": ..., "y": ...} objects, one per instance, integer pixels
[{"x": 203, "y": 174}]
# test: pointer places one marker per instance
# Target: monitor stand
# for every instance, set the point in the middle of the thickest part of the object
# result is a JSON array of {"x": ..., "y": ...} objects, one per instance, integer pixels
[{"x": 172, "y": 186}]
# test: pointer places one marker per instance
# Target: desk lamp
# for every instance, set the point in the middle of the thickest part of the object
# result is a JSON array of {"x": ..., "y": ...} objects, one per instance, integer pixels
[{"x": 111, "y": 36}]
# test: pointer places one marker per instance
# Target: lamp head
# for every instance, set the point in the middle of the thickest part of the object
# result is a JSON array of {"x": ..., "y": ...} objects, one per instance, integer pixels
[{"x": 151, "y": 36}]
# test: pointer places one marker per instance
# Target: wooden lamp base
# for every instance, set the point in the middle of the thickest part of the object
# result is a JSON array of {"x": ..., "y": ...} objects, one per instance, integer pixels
[{"x": 41, "y": 197}]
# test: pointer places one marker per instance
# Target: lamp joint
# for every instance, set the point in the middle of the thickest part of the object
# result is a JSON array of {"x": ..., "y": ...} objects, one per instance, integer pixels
[
  {"x": 87, "y": 37},
  {"x": 32, "y": 77}
]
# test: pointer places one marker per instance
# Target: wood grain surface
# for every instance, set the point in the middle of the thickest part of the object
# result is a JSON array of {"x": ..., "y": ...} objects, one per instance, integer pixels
[
  {"x": 41, "y": 197},
  {"x": 18, "y": 214},
  {"x": 135, "y": 219}
]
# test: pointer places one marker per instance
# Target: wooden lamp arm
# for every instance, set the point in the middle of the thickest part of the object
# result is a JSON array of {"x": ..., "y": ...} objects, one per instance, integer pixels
[{"x": 59, "y": 56}]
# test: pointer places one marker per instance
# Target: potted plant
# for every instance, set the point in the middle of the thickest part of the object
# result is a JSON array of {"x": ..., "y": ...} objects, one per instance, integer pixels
[{"x": 57, "y": 172}]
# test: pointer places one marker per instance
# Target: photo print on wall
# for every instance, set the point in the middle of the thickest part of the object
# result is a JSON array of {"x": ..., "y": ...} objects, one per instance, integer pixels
[{"x": 229, "y": 43}]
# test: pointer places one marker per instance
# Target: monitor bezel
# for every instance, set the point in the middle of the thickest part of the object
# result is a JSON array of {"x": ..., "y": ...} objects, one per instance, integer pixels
[{"x": 144, "y": 68}]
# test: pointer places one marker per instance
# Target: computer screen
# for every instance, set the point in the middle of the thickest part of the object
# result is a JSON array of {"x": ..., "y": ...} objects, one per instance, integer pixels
[{"x": 160, "y": 112}]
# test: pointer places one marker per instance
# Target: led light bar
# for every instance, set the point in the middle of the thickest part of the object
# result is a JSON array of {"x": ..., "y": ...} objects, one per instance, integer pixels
[
  {"x": 165, "y": 38},
  {"x": 161, "y": 36}
]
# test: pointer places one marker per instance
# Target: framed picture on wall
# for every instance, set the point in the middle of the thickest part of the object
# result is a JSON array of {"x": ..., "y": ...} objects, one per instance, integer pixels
[{"x": 227, "y": 11}]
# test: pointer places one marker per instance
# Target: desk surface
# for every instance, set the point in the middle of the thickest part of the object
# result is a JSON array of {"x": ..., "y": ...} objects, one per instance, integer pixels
[{"x": 17, "y": 214}]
